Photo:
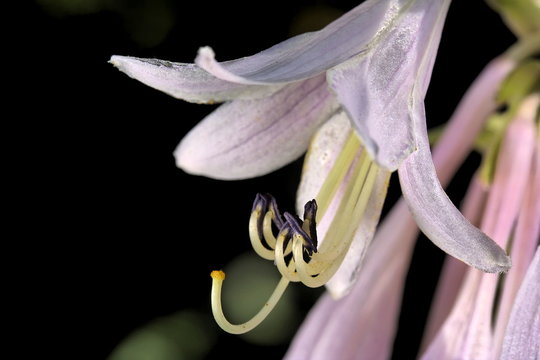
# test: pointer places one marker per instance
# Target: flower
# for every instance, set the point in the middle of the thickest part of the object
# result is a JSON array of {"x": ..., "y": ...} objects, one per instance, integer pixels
[{"x": 359, "y": 86}]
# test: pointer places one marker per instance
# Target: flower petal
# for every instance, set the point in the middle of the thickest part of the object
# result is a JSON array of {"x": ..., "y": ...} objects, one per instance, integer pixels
[
  {"x": 187, "y": 81},
  {"x": 449, "y": 342},
  {"x": 522, "y": 338},
  {"x": 248, "y": 138},
  {"x": 512, "y": 169},
  {"x": 469, "y": 117},
  {"x": 312, "y": 327},
  {"x": 323, "y": 150},
  {"x": 453, "y": 271},
  {"x": 522, "y": 166},
  {"x": 308, "y": 54},
  {"x": 435, "y": 214},
  {"x": 376, "y": 89}
]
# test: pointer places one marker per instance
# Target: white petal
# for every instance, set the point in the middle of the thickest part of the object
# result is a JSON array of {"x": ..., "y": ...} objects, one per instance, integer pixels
[
  {"x": 522, "y": 338},
  {"x": 248, "y": 138},
  {"x": 376, "y": 89},
  {"x": 187, "y": 81},
  {"x": 308, "y": 54}
]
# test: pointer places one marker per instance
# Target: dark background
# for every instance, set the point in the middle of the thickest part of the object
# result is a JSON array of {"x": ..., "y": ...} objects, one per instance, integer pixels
[{"x": 124, "y": 236}]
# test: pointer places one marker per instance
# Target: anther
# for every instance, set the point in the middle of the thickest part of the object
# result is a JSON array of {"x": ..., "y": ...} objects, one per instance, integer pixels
[
  {"x": 259, "y": 209},
  {"x": 264, "y": 216},
  {"x": 296, "y": 228},
  {"x": 276, "y": 217},
  {"x": 310, "y": 224}
]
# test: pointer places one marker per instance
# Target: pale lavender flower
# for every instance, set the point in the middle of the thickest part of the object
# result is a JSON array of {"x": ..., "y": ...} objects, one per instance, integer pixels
[{"x": 357, "y": 88}]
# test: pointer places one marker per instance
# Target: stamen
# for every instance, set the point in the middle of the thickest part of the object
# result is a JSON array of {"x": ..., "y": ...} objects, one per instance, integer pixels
[
  {"x": 217, "y": 282},
  {"x": 326, "y": 262},
  {"x": 296, "y": 227},
  {"x": 314, "y": 267},
  {"x": 344, "y": 219},
  {"x": 316, "y": 278},
  {"x": 295, "y": 250}
]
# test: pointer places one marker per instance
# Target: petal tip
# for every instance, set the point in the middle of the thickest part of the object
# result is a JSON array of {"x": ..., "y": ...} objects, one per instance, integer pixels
[
  {"x": 125, "y": 64},
  {"x": 500, "y": 264},
  {"x": 184, "y": 161},
  {"x": 114, "y": 61},
  {"x": 205, "y": 55},
  {"x": 504, "y": 265}
]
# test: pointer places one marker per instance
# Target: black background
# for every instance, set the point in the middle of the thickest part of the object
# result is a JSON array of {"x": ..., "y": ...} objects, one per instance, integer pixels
[{"x": 123, "y": 235}]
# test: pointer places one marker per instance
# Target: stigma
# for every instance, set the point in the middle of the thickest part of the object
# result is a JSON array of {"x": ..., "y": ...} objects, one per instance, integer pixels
[{"x": 292, "y": 243}]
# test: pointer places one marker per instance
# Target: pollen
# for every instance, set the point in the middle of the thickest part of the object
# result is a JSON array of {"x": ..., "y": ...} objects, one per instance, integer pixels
[{"x": 217, "y": 275}]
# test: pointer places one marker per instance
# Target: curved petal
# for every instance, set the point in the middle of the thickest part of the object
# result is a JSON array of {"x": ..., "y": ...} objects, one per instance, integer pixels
[
  {"x": 376, "y": 89},
  {"x": 522, "y": 338},
  {"x": 453, "y": 271},
  {"x": 308, "y": 54},
  {"x": 435, "y": 214},
  {"x": 248, "y": 138},
  {"x": 187, "y": 81}
]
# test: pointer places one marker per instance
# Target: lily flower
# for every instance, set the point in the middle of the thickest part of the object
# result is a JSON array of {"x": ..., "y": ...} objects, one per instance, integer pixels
[{"x": 354, "y": 91}]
